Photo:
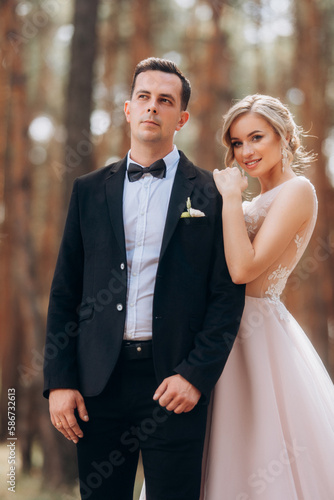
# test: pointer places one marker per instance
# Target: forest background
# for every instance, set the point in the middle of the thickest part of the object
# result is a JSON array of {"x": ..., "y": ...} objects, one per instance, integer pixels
[{"x": 65, "y": 72}]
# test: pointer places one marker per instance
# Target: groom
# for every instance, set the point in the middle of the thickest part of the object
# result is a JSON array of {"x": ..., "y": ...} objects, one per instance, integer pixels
[{"x": 143, "y": 312}]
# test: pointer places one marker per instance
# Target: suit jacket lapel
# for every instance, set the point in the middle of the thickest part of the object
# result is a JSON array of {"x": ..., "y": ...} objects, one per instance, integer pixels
[
  {"x": 182, "y": 188},
  {"x": 114, "y": 195}
]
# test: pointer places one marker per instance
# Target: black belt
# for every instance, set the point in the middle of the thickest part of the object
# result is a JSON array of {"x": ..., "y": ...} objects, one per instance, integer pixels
[{"x": 136, "y": 349}]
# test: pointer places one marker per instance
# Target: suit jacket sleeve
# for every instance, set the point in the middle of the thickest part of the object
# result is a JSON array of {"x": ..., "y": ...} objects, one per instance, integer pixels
[
  {"x": 225, "y": 303},
  {"x": 60, "y": 370}
]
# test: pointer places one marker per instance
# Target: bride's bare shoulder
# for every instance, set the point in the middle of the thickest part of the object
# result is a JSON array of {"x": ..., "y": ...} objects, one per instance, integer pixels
[{"x": 298, "y": 194}]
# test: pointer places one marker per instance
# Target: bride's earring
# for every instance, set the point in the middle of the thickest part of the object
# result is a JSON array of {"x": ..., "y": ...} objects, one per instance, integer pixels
[{"x": 285, "y": 159}]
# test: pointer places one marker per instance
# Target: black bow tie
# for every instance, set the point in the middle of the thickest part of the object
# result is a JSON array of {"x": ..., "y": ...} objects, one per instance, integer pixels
[{"x": 157, "y": 169}]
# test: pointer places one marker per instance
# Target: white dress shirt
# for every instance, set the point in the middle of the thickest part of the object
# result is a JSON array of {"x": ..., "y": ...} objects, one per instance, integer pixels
[{"x": 145, "y": 205}]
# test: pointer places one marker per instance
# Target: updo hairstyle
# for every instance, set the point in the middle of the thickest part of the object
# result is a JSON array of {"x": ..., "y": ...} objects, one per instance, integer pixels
[{"x": 280, "y": 119}]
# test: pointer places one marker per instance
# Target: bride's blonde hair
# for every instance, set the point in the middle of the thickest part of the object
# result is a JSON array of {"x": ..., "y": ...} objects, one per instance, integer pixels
[{"x": 280, "y": 119}]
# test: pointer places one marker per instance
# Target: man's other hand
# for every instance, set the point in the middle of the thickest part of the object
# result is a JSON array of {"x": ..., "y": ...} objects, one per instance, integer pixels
[
  {"x": 62, "y": 403},
  {"x": 176, "y": 394}
]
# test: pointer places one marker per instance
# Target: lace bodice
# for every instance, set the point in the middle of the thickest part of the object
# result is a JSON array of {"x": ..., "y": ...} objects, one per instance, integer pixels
[{"x": 271, "y": 283}]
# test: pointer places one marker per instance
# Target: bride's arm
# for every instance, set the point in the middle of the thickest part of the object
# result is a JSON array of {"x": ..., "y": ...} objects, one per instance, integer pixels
[{"x": 292, "y": 208}]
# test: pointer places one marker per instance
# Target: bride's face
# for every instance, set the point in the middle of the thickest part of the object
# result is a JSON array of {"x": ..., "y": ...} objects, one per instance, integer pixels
[{"x": 256, "y": 147}]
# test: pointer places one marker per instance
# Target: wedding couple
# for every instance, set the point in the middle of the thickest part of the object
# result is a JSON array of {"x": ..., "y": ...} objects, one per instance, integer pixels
[{"x": 148, "y": 297}]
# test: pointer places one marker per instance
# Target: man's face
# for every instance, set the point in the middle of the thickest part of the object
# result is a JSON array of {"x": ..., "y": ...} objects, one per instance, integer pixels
[{"x": 154, "y": 111}]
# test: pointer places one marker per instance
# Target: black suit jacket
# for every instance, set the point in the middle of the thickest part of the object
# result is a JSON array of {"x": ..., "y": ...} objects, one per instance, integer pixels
[{"x": 196, "y": 307}]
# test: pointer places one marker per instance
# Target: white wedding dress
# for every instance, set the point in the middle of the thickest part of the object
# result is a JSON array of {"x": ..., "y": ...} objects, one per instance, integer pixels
[{"x": 270, "y": 432}]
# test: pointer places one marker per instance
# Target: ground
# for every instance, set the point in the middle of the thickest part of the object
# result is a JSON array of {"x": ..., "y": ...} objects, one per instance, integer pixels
[{"x": 30, "y": 487}]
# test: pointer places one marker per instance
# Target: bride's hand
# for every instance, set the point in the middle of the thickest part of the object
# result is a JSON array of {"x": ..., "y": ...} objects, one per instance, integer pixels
[{"x": 230, "y": 180}]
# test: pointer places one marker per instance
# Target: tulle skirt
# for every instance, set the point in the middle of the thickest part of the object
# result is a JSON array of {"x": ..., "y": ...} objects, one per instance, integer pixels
[{"x": 271, "y": 430}]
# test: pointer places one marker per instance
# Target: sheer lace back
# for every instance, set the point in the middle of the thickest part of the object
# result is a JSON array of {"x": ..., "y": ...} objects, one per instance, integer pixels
[{"x": 271, "y": 283}]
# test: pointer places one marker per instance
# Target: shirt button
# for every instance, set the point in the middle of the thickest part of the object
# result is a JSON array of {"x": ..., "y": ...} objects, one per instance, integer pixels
[
  {"x": 134, "y": 274},
  {"x": 122, "y": 266},
  {"x": 119, "y": 307},
  {"x": 132, "y": 304}
]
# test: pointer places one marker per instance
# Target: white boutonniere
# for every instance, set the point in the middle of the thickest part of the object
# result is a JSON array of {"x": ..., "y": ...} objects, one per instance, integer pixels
[{"x": 191, "y": 212}]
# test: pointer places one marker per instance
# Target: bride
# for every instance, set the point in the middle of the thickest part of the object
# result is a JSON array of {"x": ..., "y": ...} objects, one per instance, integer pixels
[
  {"x": 272, "y": 423},
  {"x": 271, "y": 431}
]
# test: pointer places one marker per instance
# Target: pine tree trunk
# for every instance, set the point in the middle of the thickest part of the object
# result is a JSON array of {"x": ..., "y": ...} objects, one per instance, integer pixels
[
  {"x": 20, "y": 315},
  {"x": 8, "y": 377},
  {"x": 22, "y": 322},
  {"x": 140, "y": 47},
  {"x": 311, "y": 289},
  {"x": 79, "y": 158},
  {"x": 111, "y": 47},
  {"x": 213, "y": 84}
]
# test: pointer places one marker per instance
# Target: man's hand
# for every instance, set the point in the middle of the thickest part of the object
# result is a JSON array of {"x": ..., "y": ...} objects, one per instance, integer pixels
[
  {"x": 177, "y": 394},
  {"x": 62, "y": 403}
]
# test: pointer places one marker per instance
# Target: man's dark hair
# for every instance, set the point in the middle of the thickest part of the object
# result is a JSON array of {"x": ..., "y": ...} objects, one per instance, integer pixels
[{"x": 156, "y": 64}]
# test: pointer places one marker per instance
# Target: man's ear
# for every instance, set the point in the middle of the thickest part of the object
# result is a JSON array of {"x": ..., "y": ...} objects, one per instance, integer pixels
[
  {"x": 184, "y": 117},
  {"x": 127, "y": 110}
]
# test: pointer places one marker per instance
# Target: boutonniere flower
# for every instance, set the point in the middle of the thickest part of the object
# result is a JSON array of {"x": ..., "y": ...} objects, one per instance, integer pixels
[{"x": 191, "y": 212}]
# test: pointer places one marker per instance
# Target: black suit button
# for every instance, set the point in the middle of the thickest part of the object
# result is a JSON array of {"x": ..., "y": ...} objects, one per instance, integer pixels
[
  {"x": 119, "y": 307},
  {"x": 122, "y": 266}
]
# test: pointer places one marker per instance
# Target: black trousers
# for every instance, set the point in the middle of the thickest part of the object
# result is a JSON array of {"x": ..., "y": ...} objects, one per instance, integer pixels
[{"x": 124, "y": 419}]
